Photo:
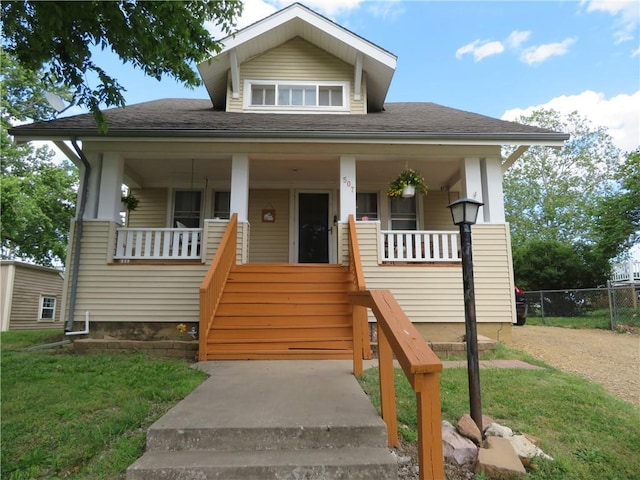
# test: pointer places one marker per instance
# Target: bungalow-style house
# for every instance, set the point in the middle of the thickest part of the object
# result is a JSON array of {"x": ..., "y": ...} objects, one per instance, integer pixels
[
  {"x": 295, "y": 139},
  {"x": 30, "y": 296}
]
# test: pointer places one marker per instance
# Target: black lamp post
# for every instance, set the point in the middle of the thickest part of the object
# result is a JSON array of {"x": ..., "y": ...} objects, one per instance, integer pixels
[{"x": 465, "y": 213}]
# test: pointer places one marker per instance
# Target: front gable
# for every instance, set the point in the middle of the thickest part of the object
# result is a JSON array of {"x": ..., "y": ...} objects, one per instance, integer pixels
[
  {"x": 223, "y": 71},
  {"x": 302, "y": 63}
]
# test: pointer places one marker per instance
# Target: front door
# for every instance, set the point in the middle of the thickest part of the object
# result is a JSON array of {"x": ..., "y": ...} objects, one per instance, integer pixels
[{"x": 313, "y": 228}]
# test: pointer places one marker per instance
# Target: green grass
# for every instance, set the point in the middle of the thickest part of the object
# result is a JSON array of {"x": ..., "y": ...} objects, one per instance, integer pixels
[
  {"x": 592, "y": 319},
  {"x": 78, "y": 417},
  {"x": 591, "y": 434}
]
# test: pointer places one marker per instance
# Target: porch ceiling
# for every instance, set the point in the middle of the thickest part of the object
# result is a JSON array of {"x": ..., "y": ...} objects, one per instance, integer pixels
[{"x": 265, "y": 170}]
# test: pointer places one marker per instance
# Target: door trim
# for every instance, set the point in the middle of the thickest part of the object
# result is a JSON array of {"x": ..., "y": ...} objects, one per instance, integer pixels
[{"x": 294, "y": 227}]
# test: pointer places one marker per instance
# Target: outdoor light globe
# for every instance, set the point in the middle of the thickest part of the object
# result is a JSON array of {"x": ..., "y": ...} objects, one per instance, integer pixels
[{"x": 465, "y": 210}]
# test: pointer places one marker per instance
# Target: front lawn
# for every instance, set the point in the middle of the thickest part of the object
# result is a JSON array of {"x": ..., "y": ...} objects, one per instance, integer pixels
[
  {"x": 592, "y": 434},
  {"x": 80, "y": 416}
]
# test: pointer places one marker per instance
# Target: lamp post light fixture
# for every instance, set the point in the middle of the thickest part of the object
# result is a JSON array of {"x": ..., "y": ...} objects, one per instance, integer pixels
[{"x": 464, "y": 213}]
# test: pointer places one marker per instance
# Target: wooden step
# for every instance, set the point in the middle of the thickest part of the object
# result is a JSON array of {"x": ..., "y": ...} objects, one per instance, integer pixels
[
  {"x": 283, "y": 311},
  {"x": 311, "y": 354}
]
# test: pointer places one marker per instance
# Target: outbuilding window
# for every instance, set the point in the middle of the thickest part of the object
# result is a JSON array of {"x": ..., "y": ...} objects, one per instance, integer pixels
[{"x": 47, "y": 308}]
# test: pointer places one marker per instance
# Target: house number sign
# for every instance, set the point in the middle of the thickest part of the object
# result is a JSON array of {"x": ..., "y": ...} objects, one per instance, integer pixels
[{"x": 350, "y": 184}]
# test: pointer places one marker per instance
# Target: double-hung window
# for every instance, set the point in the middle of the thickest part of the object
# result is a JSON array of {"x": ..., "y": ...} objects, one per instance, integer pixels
[
  {"x": 47, "y": 308},
  {"x": 366, "y": 206},
  {"x": 187, "y": 207},
  {"x": 404, "y": 213},
  {"x": 293, "y": 96}
]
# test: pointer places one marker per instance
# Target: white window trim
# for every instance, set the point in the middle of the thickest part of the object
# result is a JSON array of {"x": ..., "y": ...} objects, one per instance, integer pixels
[
  {"x": 53, "y": 315},
  {"x": 247, "y": 107}
]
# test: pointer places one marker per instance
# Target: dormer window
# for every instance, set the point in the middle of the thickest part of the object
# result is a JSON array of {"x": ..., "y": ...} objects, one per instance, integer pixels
[{"x": 296, "y": 96}]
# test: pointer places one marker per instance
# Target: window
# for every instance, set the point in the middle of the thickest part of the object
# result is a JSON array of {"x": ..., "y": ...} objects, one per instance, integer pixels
[
  {"x": 47, "y": 308},
  {"x": 299, "y": 95},
  {"x": 187, "y": 204},
  {"x": 366, "y": 206},
  {"x": 403, "y": 214},
  {"x": 222, "y": 205}
]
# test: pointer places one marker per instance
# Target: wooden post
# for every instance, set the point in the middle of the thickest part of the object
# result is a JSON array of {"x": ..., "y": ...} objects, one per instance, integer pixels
[
  {"x": 387, "y": 388},
  {"x": 357, "y": 339},
  {"x": 430, "y": 454}
]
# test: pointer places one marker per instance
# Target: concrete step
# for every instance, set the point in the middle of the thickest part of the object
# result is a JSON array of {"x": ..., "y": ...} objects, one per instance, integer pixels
[
  {"x": 270, "y": 420},
  {"x": 320, "y": 464}
]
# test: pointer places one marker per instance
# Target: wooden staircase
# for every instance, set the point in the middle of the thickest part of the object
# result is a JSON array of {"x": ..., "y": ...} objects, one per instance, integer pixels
[{"x": 283, "y": 311}]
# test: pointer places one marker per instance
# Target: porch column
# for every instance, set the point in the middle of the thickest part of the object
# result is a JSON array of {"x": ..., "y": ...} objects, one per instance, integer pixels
[
  {"x": 347, "y": 187},
  {"x": 240, "y": 186},
  {"x": 93, "y": 186},
  {"x": 110, "y": 187},
  {"x": 472, "y": 182},
  {"x": 491, "y": 172}
]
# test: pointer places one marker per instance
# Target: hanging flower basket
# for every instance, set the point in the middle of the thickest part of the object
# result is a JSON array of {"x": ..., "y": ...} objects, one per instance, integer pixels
[{"x": 407, "y": 178}]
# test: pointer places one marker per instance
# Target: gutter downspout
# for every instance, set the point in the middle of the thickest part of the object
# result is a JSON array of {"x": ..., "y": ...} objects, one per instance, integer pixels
[{"x": 78, "y": 237}]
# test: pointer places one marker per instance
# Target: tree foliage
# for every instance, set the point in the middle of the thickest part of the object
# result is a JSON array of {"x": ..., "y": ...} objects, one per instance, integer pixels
[
  {"x": 552, "y": 194},
  {"x": 618, "y": 215},
  {"x": 161, "y": 38},
  {"x": 38, "y": 195},
  {"x": 555, "y": 201}
]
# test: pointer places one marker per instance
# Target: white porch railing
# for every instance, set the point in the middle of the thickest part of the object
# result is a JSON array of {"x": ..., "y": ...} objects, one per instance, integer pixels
[
  {"x": 626, "y": 272},
  {"x": 158, "y": 243},
  {"x": 419, "y": 246}
]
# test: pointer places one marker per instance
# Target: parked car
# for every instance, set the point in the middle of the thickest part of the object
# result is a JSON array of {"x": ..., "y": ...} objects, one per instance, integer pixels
[{"x": 521, "y": 307}]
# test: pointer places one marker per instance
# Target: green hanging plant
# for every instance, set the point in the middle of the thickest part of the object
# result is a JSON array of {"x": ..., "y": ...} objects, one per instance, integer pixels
[
  {"x": 129, "y": 201},
  {"x": 406, "y": 178}
]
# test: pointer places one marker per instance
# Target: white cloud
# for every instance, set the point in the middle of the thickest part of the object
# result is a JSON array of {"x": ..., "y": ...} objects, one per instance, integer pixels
[
  {"x": 541, "y": 53},
  {"x": 517, "y": 38},
  {"x": 627, "y": 13},
  {"x": 480, "y": 49},
  {"x": 619, "y": 114},
  {"x": 389, "y": 10}
]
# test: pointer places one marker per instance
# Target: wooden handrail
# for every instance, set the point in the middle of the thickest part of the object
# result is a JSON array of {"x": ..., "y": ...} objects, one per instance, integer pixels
[
  {"x": 361, "y": 344},
  {"x": 213, "y": 284},
  {"x": 397, "y": 335}
]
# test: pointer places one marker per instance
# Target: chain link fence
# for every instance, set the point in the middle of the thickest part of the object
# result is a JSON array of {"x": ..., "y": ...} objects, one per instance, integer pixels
[{"x": 612, "y": 307}]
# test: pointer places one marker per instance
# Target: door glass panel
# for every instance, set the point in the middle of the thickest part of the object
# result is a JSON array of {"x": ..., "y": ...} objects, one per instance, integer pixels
[
  {"x": 403, "y": 214},
  {"x": 187, "y": 208},
  {"x": 313, "y": 228}
]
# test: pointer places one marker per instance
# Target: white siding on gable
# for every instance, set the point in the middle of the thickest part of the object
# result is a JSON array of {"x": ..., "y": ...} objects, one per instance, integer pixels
[{"x": 299, "y": 60}]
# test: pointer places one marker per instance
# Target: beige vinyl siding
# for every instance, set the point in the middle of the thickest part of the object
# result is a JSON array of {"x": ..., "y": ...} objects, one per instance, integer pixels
[
  {"x": 269, "y": 240},
  {"x": 300, "y": 60},
  {"x": 433, "y": 293},
  {"x": 30, "y": 283},
  {"x": 152, "y": 208},
  {"x": 140, "y": 292},
  {"x": 436, "y": 214}
]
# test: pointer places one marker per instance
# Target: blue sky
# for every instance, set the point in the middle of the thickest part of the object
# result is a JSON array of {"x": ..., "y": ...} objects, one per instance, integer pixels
[{"x": 499, "y": 58}]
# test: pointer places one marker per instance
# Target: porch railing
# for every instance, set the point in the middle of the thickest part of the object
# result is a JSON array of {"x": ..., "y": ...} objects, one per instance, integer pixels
[
  {"x": 158, "y": 244},
  {"x": 626, "y": 272},
  {"x": 398, "y": 337},
  {"x": 419, "y": 246},
  {"x": 213, "y": 284}
]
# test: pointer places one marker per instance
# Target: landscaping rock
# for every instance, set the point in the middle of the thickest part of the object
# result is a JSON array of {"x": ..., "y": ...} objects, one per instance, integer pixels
[
  {"x": 468, "y": 428},
  {"x": 525, "y": 449},
  {"x": 498, "y": 460},
  {"x": 456, "y": 447},
  {"x": 497, "y": 430}
]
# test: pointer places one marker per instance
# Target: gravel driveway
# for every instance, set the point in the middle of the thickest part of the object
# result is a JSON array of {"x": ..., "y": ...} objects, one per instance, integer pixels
[{"x": 607, "y": 358}]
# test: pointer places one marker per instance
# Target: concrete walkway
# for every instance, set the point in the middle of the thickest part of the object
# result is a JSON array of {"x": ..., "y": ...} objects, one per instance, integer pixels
[{"x": 270, "y": 420}]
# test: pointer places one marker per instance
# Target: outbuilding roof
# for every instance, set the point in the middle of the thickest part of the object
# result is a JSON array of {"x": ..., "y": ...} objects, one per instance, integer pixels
[{"x": 189, "y": 118}]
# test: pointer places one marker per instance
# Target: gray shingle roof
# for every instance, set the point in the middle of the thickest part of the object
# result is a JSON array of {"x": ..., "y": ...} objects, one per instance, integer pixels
[{"x": 197, "y": 118}]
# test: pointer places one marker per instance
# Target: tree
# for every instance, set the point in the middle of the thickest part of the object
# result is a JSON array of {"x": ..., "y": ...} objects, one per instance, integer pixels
[
  {"x": 159, "y": 37},
  {"x": 38, "y": 195},
  {"x": 553, "y": 194},
  {"x": 618, "y": 214}
]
